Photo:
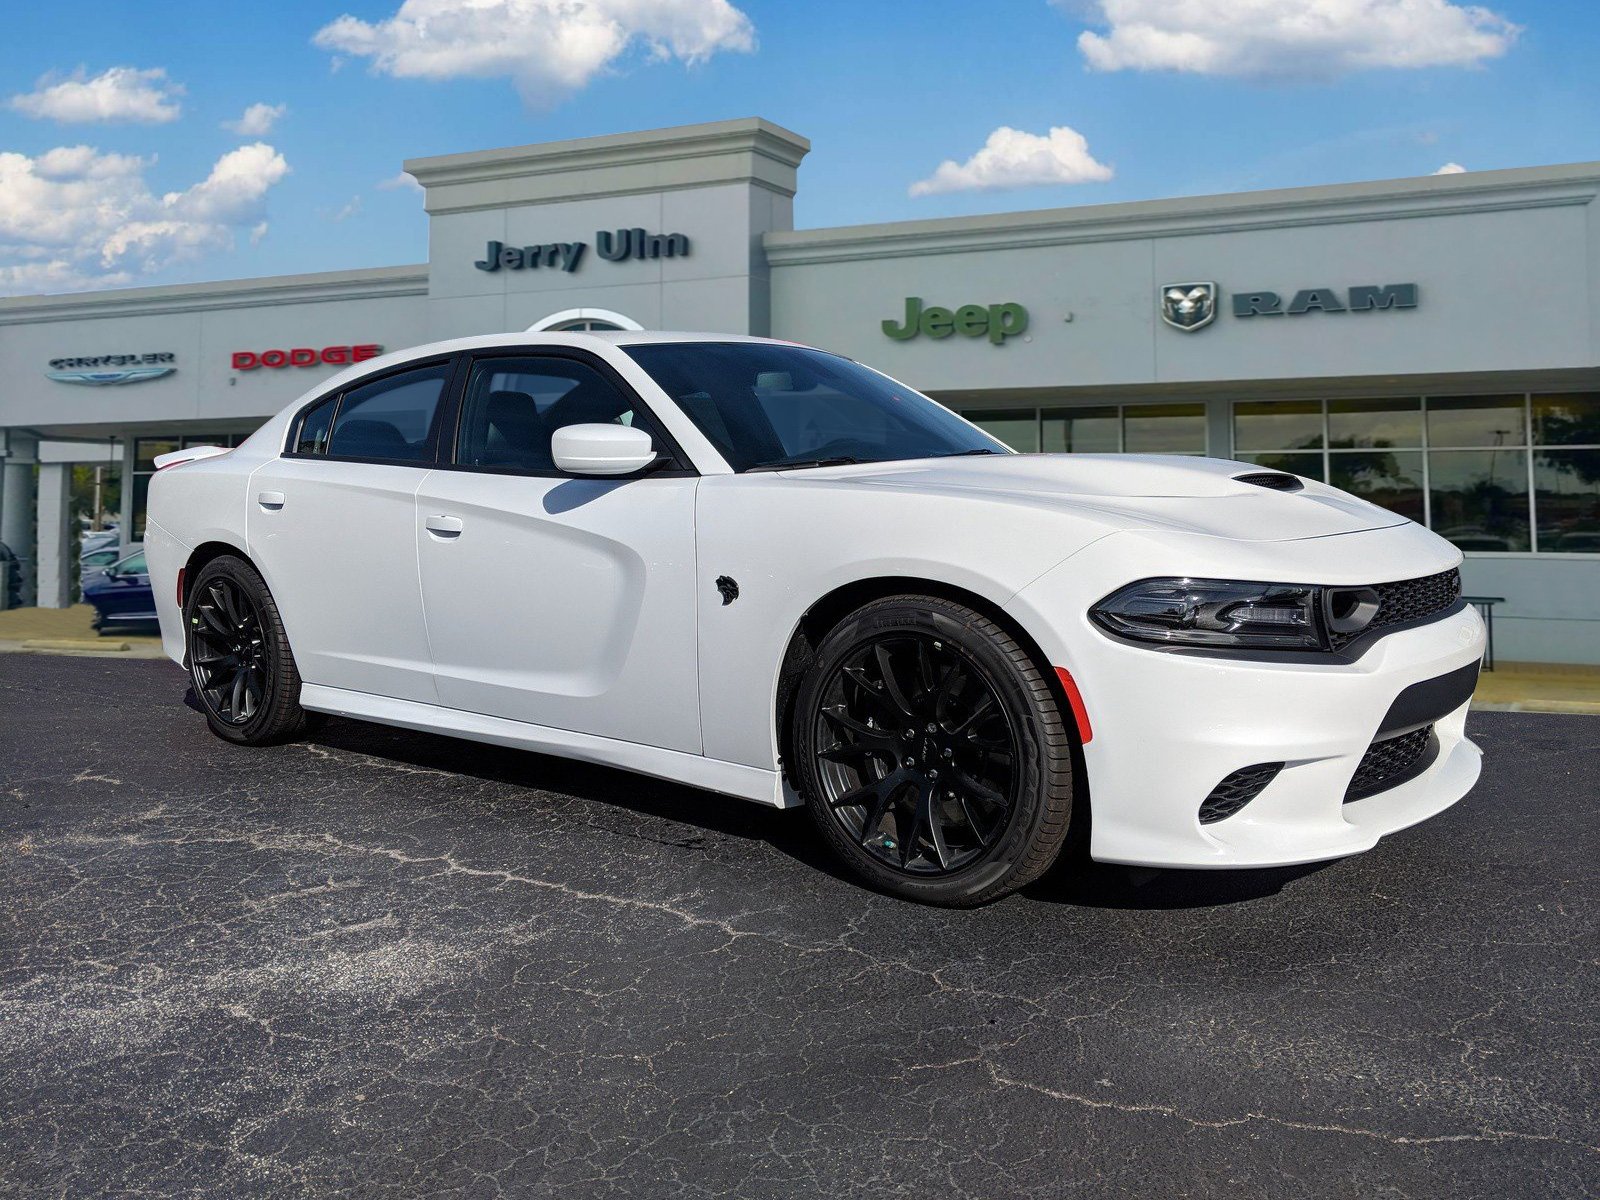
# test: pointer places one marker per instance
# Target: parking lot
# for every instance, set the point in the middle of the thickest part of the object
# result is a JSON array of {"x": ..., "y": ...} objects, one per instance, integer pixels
[{"x": 388, "y": 964}]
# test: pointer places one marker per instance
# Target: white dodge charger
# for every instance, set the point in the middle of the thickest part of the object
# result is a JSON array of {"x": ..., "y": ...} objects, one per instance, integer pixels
[{"x": 775, "y": 573}]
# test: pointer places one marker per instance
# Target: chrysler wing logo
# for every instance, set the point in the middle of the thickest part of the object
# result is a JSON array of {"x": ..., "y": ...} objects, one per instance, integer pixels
[
  {"x": 108, "y": 378},
  {"x": 1189, "y": 306}
]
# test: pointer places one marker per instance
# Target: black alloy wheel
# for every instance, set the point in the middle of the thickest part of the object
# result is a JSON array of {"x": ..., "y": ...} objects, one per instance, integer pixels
[
  {"x": 238, "y": 654},
  {"x": 932, "y": 752},
  {"x": 229, "y": 654},
  {"x": 920, "y": 765}
]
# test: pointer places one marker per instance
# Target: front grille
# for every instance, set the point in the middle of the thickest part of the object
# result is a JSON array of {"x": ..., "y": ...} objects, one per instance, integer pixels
[
  {"x": 1391, "y": 762},
  {"x": 1237, "y": 790},
  {"x": 1407, "y": 600}
]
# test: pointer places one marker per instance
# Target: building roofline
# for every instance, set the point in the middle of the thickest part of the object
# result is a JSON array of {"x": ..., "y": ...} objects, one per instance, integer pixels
[
  {"x": 360, "y": 284},
  {"x": 749, "y": 149},
  {"x": 1428, "y": 195}
]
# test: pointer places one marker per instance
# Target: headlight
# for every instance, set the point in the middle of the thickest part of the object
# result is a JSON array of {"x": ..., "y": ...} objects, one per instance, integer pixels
[{"x": 1221, "y": 613}]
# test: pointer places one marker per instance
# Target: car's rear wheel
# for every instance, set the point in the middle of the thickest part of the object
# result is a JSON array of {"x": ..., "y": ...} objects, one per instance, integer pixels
[
  {"x": 239, "y": 658},
  {"x": 932, "y": 752}
]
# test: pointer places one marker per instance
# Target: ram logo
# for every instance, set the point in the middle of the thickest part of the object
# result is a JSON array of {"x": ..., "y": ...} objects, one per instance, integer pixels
[{"x": 1189, "y": 306}]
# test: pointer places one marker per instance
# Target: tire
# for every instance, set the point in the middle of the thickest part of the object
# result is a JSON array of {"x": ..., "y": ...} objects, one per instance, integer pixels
[
  {"x": 239, "y": 660},
  {"x": 913, "y": 810}
]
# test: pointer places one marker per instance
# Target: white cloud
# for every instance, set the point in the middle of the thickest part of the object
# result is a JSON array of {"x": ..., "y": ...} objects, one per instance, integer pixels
[
  {"x": 1451, "y": 168},
  {"x": 1014, "y": 159},
  {"x": 257, "y": 120},
  {"x": 398, "y": 183},
  {"x": 74, "y": 218},
  {"x": 1292, "y": 38},
  {"x": 118, "y": 94},
  {"x": 548, "y": 48},
  {"x": 348, "y": 211}
]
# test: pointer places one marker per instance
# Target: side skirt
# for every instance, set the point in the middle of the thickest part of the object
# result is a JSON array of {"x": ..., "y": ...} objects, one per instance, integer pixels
[{"x": 731, "y": 779}]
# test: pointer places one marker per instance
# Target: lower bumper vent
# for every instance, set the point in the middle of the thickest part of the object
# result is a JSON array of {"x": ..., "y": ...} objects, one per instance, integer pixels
[
  {"x": 1237, "y": 790},
  {"x": 1391, "y": 762}
]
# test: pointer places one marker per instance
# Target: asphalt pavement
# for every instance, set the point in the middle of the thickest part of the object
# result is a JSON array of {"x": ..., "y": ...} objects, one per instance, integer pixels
[{"x": 386, "y": 964}]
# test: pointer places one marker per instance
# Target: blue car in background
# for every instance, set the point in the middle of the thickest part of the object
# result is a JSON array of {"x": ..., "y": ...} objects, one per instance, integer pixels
[{"x": 121, "y": 593}]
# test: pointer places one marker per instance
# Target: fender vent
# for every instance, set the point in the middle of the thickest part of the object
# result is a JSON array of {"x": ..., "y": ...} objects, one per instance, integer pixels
[
  {"x": 1277, "y": 481},
  {"x": 1237, "y": 790}
]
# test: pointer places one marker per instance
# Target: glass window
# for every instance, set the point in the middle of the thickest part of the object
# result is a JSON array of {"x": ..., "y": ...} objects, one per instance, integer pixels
[
  {"x": 391, "y": 419},
  {"x": 1377, "y": 424},
  {"x": 133, "y": 565},
  {"x": 1479, "y": 498},
  {"x": 1081, "y": 431},
  {"x": 146, "y": 449},
  {"x": 1391, "y": 479},
  {"x": 1278, "y": 425},
  {"x": 514, "y": 405},
  {"x": 1566, "y": 487},
  {"x": 141, "y": 498},
  {"x": 1018, "y": 429},
  {"x": 1566, "y": 420},
  {"x": 313, "y": 436},
  {"x": 1164, "y": 429},
  {"x": 1476, "y": 421},
  {"x": 1309, "y": 465},
  {"x": 766, "y": 405}
]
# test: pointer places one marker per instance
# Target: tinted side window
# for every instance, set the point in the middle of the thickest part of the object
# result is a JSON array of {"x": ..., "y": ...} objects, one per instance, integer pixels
[
  {"x": 513, "y": 405},
  {"x": 390, "y": 419},
  {"x": 313, "y": 436}
]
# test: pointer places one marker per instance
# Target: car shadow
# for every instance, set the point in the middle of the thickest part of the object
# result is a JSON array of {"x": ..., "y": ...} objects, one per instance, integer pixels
[
  {"x": 1078, "y": 882},
  {"x": 788, "y": 831},
  {"x": 1074, "y": 880}
]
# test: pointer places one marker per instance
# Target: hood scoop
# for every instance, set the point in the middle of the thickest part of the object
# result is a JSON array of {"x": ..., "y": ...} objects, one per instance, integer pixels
[{"x": 1277, "y": 481}]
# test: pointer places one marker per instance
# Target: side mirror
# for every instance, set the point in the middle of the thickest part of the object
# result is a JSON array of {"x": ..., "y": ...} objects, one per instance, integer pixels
[{"x": 601, "y": 449}]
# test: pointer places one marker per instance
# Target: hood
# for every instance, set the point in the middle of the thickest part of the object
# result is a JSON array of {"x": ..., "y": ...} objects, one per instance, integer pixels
[{"x": 1151, "y": 491}]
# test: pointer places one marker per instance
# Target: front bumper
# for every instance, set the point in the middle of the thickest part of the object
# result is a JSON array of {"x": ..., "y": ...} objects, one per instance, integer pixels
[{"x": 1168, "y": 727}]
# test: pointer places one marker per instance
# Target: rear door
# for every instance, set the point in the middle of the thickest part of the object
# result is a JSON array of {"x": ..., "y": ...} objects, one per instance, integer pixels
[
  {"x": 551, "y": 599},
  {"x": 332, "y": 525}
]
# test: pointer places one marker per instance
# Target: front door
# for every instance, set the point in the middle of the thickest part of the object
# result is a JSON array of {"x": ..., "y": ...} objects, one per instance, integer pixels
[
  {"x": 560, "y": 601},
  {"x": 332, "y": 525}
]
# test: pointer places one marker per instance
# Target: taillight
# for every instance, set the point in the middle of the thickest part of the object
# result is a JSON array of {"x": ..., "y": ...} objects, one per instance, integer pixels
[{"x": 181, "y": 571}]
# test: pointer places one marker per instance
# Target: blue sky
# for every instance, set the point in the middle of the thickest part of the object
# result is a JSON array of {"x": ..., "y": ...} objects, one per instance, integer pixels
[{"x": 1162, "y": 98}]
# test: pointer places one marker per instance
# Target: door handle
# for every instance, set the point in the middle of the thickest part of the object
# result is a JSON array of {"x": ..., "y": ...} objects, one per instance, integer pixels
[
  {"x": 443, "y": 527},
  {"x": 271, "y": 501}
]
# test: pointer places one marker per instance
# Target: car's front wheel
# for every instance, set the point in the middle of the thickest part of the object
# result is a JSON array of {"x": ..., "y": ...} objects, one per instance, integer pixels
[
  {"x": 239, "y": 658},
  {"x": 932, "y": 752}
]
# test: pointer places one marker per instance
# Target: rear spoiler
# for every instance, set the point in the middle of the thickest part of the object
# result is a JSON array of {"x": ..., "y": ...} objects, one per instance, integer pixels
[{"x": 188, "y": 454}]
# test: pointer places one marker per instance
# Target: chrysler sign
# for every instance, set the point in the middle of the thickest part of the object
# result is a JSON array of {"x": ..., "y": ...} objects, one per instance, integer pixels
[{"x": 107, "y": 369}]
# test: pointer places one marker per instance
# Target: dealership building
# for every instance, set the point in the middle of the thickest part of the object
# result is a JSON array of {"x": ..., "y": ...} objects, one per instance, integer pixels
[{"x": 1431, "y": 344}]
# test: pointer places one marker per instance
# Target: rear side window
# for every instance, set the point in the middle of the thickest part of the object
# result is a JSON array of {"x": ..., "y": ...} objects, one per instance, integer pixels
[
  {"x": 391, "y": 419},
  {"x": 313, "y": 438}
]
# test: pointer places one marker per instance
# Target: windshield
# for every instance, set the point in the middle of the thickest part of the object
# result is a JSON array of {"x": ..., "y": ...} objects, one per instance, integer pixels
[{"x": 768, "y": 406}]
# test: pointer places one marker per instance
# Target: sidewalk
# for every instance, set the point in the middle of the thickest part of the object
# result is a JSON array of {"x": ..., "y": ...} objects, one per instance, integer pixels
[
  {"x": 69, "y": 631},
  {"x": 1511, "y": 686},
  {"x": 1539, "y": 687}
]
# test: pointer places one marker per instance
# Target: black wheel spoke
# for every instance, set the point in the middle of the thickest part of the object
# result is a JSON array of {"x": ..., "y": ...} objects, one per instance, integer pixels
[
  {"x": 928, "y": 803},
  {"x": 891, "y": 684},
  {"x": 864, "y": 734},
  {"x": 978, "y": 711},
  {"x": 950, "y": 689}
]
